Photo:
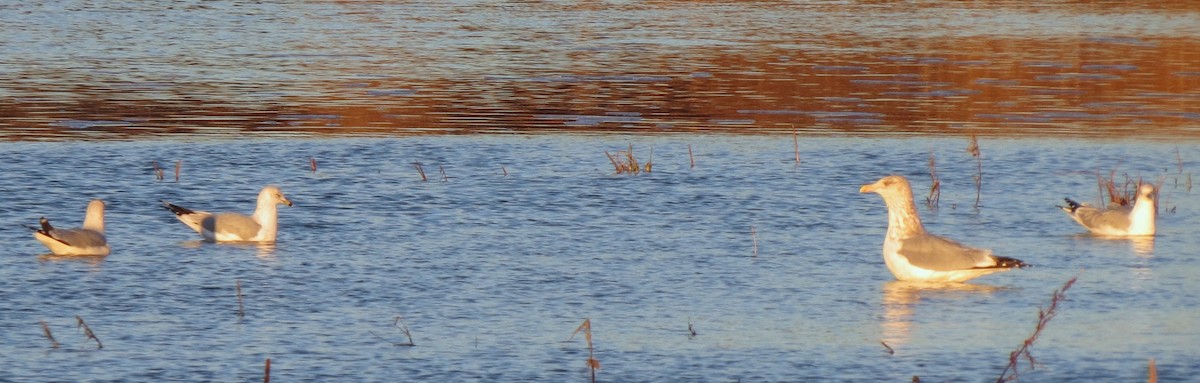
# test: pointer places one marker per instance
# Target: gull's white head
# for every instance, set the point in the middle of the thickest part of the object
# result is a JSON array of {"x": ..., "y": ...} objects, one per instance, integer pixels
[
  {"x": 94, "y": 218},
  {"x": 1146, "y": 192},
  {"x": 891, "y": 188},
  {"x": 273, "y": 196}
]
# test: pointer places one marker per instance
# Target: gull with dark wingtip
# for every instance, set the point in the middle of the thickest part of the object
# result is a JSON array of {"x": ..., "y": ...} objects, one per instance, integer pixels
[
  {"x": 912, "y": 254},
  {"x": 86, "y": 240},
  {"x": 234, "y": 227},
  {"x": 1117, "y": 220}
]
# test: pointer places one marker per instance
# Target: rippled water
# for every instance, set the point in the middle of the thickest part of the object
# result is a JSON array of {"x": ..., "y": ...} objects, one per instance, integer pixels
[
  {"x": 524, "y": 231},
  {"x": 496, "y": 265},
  {"x": 115, "y": 70}
]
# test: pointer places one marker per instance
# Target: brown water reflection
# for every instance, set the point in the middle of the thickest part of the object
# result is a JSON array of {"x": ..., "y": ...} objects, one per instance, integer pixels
[{"x": 1061, "y": 68}]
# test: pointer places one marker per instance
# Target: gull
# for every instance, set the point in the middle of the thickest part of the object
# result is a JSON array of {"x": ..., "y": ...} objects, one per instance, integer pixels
[
  {"x": 912, "y": 254},
  {"x": 86, "y": 240},
  {"x": 233, "y": 227},
  {"x": 1136, "y": 220}
]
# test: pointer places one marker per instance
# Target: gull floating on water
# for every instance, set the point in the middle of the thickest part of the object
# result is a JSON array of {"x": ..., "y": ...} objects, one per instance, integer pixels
[
  {"x": 1118, "y": 220},
  {"x": 86, "y": 240},
  {"x": 234, "y": 227},
  {"x": 912, "y": 254}
]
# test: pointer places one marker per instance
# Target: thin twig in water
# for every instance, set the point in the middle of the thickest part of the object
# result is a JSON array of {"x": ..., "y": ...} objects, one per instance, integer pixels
[
  {"x": 445, "y": 178},
  {"x": 593, "y": 363},
  {"x": 973, "y": 148},
  {"x": 504, "y": 170},
  {"x": 888, "y": 348},
  {"x": 420, "y": 170},
  {"x": 691, "y": 159},
  {"x": 312, "y": 163},
  {"x": 691, "y": 330},
  {"x": 178, "y": 167},
  {"x": 401, "y": 324},
  {"x": 935, "y": 189},
  {"x": 796, "y": 143},
  {"x": 241, "y": 307},
  {"x": 754, "y": 238},
  {"x": 1044, "y": 317},
  {"x": 158, "y": 170},
  {"x": 87, "y": 331},
  {"x": 267, "y": 371},
  {"x": 46, "y": 331}
]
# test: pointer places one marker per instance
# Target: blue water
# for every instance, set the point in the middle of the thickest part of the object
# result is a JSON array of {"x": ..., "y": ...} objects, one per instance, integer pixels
[{"x": 775, "y": 265}]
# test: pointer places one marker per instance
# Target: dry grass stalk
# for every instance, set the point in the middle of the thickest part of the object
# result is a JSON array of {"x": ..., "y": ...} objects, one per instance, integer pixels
[
  {"x": 504, "y": 170},
  {"x": 420, "y": 170},
  {"x": 626, "y": 162},
  {"x": 1044, "y": 317},
  {"x": 796, "y": 143},
  {"x": 87, "y": 331},
  {"x": 241, "y": 307},
  {"x": 445, "y": 178},
  {"x": 691, "y": 159},
  {"x": 401, "y": 324},
  {"x": 178, "y": 167},
  {"x": 754, "y": 238},
  {"x": 935, "y": 189},
  {"x": 1153, "y": 372},
  {"x": 593, "y": 363},
  {"x": 973, "y": 148},
  {"x": 691, "y": 330},
  {"x": 46, "y": 331},
  {"x": 267, "y": 372},
  {"x": 312, "y": 164},
  {"x": 888, "y": 348},
  {"x": 158, "y": 170}
]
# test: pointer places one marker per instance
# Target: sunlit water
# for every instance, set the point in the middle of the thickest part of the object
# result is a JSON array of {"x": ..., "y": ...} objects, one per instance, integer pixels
[
  {"x": 776, "y": 266},
  {"x": 113, "y": 70},
  {"x": 523, "y": 232}
]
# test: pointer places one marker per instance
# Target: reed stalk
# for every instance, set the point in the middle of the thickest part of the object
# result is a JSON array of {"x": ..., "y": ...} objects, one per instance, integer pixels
[
  {"x": 400, "y": 323},
  {"x": 158, "y": 170},
  {"x": 178, "y": 167},
  {"x": 796, "y": 143},
  {"x": 592, "y": 362},
  {"x": 1153, "y": 373},
  {"x": 445, "y": 178},
  {"x": 754, "y": 240},
  {"x": 241, "y": 307},
  {"x": 420, "y": 170},
  {"x": 312, "y": 164},
  {"x": 973, "y": 148},
  {"x": 691, "y": 159},
  {"x": 46, "y": 331},
  {"x": 267, "y": 371},
  {"x": 87, "y": 331},
  {"x": 935, "y": 189},
  {"x": 1044, "y": 317}
]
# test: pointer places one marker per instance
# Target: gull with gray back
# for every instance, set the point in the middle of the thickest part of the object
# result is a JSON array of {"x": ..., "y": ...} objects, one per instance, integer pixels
[
  {"x": 261, "y": 226},
  {"x": 912, "y": 254},
  {"x": 86, "y": 240}
]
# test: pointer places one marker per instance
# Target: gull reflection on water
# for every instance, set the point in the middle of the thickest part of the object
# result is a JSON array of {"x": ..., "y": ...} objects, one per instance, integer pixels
[
  {"x": 263, "y": 250},
  {"x": 93, "y": 260},
  {"x": 900, "y": 300}
]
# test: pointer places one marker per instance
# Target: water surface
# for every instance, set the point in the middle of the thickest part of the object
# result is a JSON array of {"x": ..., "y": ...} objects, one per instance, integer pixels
[{"x": 493, "y": 272}]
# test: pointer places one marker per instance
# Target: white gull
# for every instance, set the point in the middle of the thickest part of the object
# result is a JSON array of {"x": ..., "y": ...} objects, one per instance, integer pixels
[
  {"x": 1117, "y": 220},
  {"x": 86, "y": 240},
  {"x": 233, "y": 227},
  {"x": 912, "y": 254}
]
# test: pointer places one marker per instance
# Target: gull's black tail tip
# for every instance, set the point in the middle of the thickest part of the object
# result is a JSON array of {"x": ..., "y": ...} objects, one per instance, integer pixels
[
  {"x": 178, "y": 210},
  {"x": 1011, "y": 263}
]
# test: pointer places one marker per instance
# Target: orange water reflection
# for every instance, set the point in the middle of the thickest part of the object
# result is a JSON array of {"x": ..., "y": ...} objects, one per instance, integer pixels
[{"x": 367, "y": 68}]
